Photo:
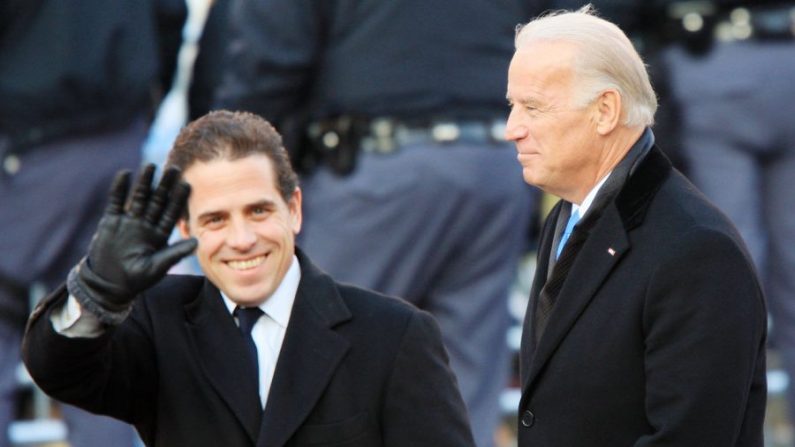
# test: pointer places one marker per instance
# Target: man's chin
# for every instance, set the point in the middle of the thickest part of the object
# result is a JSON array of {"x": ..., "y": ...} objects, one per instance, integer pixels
[{"x": 529, "y": 178}]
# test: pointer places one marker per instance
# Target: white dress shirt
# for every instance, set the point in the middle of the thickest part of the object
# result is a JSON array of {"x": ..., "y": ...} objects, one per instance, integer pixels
[
  {"x": 268, "y": 332},
  {"x": 586, "y": 203}
]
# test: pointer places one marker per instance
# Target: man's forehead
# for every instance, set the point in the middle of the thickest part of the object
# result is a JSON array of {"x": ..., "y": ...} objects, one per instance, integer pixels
[
  {"x": 224, "y": 177},
  {"x": 261, "y": 161},
  {"x": 544, "y": 56},
  {"x": 533, "y": 73}
]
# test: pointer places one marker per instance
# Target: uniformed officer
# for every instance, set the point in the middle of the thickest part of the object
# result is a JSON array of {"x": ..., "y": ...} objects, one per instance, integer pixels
[
  {"x": 732, "y": 63},
  {"x": 77, "y": 81}
]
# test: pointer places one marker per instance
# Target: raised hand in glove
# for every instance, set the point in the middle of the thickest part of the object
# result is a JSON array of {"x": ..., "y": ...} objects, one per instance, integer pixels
[{"x": 129, "y": 252}]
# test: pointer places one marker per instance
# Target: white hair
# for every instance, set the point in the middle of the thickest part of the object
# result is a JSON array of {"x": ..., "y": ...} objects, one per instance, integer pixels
[{"x": 606, "y": 59}]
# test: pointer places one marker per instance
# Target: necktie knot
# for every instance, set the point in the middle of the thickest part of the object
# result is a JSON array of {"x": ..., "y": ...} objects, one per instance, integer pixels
[{"x": 247, "y": 317}]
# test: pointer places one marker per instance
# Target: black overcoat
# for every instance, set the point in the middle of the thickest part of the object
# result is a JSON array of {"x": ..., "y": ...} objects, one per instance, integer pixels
[
  {"x": 356, "y": 369},
  {"x": 657, "y": 337}
]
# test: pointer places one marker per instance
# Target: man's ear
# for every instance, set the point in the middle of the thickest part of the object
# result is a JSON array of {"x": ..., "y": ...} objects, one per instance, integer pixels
[
  {"x": 608, "y": 111},
  {"x": 184, "y": 229},
  {"x": 294, "y": 205}
]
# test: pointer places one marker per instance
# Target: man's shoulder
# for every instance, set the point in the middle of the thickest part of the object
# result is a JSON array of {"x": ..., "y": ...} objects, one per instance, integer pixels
[
  {"x": 364, "y": 310},
  {"x": 387, "y": 323},
  {"x": 683, "y": 203},
  {"x": 383, "y": 316},
  {"x": 681, "y": 218},
  {"x": 360, "y": 299}
]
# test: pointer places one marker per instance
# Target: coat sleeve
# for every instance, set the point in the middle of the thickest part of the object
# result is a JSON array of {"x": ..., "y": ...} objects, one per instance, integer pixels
[
  {"x": 704, "y": 328},
  {"x": 423, "y": 406},
  {"x": 112, "y": 374}
]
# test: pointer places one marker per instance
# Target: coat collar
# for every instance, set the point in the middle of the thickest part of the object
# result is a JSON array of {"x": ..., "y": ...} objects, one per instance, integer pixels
[
  {"x": 219, "y": 347},
  {"x": 310, "y": 353},
  {"x": 607, "y": 243}
]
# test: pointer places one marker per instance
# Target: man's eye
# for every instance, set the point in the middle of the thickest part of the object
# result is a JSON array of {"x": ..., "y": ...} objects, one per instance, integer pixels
[{"x": 214, "y": 219}]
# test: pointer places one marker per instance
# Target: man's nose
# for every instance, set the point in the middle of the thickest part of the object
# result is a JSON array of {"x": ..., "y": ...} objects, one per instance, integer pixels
[
  {"x": 514, "y": 130},
  {"x": 241, "y": 235}
]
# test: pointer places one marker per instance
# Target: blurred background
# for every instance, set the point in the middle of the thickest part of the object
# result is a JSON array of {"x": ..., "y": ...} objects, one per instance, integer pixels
[{"x": 89, "y": 87}]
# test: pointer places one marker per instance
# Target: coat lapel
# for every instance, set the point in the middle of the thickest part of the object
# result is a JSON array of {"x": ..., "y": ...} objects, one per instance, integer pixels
[
  {"x": 221, "y": 351},
  {"x": 310, "y": 354},
  {"x": 539, "y": 279},
  {"x": 604, "y": 247},
  {"x": 607, "y": 243}
]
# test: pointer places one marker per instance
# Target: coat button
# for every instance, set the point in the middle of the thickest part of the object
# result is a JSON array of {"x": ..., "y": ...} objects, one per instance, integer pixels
[{"x": 528, "y": 418}]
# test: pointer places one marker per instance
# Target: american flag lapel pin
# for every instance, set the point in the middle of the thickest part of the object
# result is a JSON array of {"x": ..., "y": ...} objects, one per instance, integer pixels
[{"x": 611, "y": 251}]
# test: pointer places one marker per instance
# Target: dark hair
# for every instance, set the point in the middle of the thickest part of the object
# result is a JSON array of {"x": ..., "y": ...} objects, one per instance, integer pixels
[{"x": 222, "y": 134}]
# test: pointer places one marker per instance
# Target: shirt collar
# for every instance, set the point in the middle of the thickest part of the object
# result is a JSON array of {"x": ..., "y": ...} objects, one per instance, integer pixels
[
  {"x": 583, "y": 208},
  {"x": 279, "y": 305}
]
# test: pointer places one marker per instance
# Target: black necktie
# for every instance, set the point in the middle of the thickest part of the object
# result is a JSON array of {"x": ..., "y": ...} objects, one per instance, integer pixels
[
  {"x": 549, "y": 293},
  {"x": 246, "y": 318}
]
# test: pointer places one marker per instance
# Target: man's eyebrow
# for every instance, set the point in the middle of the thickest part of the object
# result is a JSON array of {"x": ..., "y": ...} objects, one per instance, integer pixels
[
  {"x": 210, "y": 213},
  {"x": 265, "y": 203},
  {"x": 525, "y": 100}
]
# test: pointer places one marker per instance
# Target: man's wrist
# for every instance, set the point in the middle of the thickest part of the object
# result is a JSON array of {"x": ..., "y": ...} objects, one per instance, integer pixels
[
  {"x": 94, "y": 295},
  {"x": 71, "y": 321}
]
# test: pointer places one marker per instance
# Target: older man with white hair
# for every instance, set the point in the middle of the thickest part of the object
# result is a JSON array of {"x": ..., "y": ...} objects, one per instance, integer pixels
[{"x": 646, "y": 324}]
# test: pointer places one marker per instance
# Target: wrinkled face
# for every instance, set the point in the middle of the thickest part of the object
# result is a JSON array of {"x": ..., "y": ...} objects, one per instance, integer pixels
[
  {"x": 554, "y": 136},
  {"x": 246, "y": 231}
]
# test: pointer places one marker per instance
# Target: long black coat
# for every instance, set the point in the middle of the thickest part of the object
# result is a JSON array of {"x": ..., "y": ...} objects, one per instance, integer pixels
[
  {"x": 657, "y": 337},
  {"x": 356, "y": 369}
]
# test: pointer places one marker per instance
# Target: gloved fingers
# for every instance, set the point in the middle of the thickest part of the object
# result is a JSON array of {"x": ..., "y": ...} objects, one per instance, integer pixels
[
  {"x": 174, "y": 207},
  {"x": 141, "y": 191},
  {"x": 118, "y": 193},
  {"x": 164, "y": 259},
  {"x": 160, "y": 197}
]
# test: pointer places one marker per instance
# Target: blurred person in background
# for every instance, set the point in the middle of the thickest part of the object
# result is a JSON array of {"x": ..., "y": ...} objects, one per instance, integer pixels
[
  {"x": 78, "y": 82},
  {"x": 731, "y": 66},
  {"x": 395, "y": 111}
]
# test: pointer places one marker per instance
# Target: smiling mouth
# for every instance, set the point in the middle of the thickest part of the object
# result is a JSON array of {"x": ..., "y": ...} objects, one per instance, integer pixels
[{"x": 246, "y": 264}]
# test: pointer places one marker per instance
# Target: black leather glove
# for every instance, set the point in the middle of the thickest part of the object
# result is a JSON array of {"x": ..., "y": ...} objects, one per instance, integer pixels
[{"x": 129, "y": 252}]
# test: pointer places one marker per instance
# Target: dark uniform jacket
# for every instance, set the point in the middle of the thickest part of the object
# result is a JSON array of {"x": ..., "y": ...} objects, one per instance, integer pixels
[
  {"x": 70, "y": 67},
  {"x": 71, "y": 70},
  {"x": 370, "y": 58}
]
